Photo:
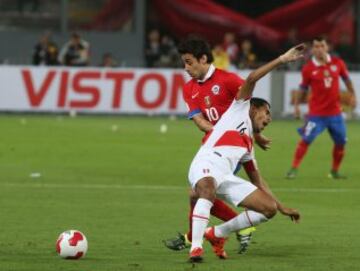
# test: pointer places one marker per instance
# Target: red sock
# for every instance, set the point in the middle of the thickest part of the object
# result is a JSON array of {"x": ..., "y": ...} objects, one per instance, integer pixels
[
  {"x": 222, "y": 211},
  {"x": 189, "y": 233},
  {"x": 338, "y": 154},
  {"x": 300, "y": 152}
]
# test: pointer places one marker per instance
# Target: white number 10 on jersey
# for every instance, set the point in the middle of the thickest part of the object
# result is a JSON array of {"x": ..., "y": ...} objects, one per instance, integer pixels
[{"x": 212, "y": 114}]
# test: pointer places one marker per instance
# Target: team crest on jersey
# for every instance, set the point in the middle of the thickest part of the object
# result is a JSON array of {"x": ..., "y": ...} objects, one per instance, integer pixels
[
  {"x": 326, "y": 73},
  {"x": 333, "y": 68},
  {"x": 215, "y": 89},
  {"x": 207, "y": 101}
]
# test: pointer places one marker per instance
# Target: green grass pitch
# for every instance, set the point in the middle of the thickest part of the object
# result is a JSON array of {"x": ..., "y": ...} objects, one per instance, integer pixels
[{"x": 126, "y": 188}]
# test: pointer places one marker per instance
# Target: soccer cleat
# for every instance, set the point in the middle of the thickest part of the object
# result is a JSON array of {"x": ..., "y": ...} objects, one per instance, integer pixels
[
  {"x": 291, "y": 174},
  {"x": 244, "y": 238},
  {"x": 178, "y": 243},
  {"x": 336, "y": 175},
  {"x": 217, "y": 243},
  {"x": 196, "y": 255}
]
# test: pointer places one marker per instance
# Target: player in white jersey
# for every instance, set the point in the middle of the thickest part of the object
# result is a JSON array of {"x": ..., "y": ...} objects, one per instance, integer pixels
[
  {"x": 229, "y": 142},
  {"x": 211, "y": 171}
]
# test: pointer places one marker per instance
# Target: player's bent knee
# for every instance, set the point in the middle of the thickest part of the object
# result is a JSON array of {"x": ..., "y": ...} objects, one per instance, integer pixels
[
  {"x": 193, "y": 197},
  {"x": 340, "y": 143},
  {"x": 205, "y": 188},
  {"x": 270, "y": 210}
]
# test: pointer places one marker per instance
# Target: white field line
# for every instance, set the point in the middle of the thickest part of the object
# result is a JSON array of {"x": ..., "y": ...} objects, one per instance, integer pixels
[{"x": 163, "y": 187}]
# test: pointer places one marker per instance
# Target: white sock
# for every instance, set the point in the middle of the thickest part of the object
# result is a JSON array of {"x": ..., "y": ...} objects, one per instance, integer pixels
[
  {"x": 200, "y": 221},
  {"x": 244, "y": 220}
]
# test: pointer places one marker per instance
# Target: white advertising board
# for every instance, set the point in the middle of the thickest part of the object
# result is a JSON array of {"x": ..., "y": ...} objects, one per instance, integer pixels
[{"x": 98, "y": 90}]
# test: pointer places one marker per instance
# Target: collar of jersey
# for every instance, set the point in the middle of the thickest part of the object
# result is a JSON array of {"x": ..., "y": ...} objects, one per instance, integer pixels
[
  {"x": 317, "y": 63},
  {"x": 209, "y": 73}
]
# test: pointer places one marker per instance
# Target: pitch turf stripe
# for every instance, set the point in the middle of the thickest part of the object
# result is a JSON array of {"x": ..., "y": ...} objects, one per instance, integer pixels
[
  {"x": 317, "y": 190},
  {"x": 164, "y": 187},
  {"x": 95, "y": 186}
]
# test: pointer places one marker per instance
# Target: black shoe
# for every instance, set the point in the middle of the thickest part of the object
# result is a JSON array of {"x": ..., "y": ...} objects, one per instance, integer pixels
[
  {"x": 244, "y": 237},
  {"x": 291, "y": 174},
  {"x": 178, "y": 243},
  {"x": 336, "y": 175}
]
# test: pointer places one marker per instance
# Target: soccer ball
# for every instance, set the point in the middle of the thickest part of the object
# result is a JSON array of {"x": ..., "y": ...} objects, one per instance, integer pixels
[{"x": 71, "y": 244}]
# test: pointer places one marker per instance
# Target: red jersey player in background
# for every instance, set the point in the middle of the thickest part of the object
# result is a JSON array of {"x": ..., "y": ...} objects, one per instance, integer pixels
[
  {"x": 321, "y": 74},
  {"x": 208, "y": 95}
]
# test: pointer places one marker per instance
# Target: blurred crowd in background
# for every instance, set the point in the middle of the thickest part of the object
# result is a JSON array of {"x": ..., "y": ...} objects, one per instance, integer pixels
[
  {"x": 233, "y": 53},
  {"x": 76, "y": 53},
  {"x": 160, "y": 51},
  {"x": 243, "y": 34}
]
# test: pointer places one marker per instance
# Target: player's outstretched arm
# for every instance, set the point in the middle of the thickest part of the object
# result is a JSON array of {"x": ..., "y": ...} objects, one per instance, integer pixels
[
  {"x": 246, "y": 90},
  {"x": 202, "y": 123},
  {"x": 255, "y": 177}
]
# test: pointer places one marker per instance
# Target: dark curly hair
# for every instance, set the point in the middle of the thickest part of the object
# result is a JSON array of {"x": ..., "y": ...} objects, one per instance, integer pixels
[{"x": 197, "y": 47}]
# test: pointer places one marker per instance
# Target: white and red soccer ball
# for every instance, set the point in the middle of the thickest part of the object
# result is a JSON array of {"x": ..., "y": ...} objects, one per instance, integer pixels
[{"x": 71, "y": 244}]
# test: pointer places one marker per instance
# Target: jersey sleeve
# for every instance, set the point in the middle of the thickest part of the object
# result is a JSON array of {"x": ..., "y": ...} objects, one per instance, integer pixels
[
  {"x": 248, "y": 157},
  {"x": 233, "y": 82},
  {"x": 242, "y": 102},
  {"x": 193, "y": 109},
  {"x": 305, "y": 75},
  {"x": 249, "y": 161},
  {"x": 344, "y": 73},
  {"x": 239, "y": 107}
]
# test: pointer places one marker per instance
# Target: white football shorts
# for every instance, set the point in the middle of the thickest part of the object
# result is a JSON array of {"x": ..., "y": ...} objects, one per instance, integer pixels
[{"x": 229, "y": 187}]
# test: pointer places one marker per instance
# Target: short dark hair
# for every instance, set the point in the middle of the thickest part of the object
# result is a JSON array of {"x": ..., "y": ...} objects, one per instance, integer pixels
[
  {"x": 259, "y": 102},
  {"x": 75, "y": 35},
  {"x": 319, "y": 38},
  {"x": 197, "y": 47}
]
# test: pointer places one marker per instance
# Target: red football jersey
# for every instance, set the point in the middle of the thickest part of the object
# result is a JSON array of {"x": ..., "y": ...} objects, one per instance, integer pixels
[
  {"x": 323, "y": 81},
  {"x": 213, "y": 95}
]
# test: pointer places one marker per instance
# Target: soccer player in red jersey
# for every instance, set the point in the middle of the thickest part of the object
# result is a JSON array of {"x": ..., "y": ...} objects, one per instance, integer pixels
[
  {"x": 321, "y": 74},
  {"x": 208, "y": 95}
]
